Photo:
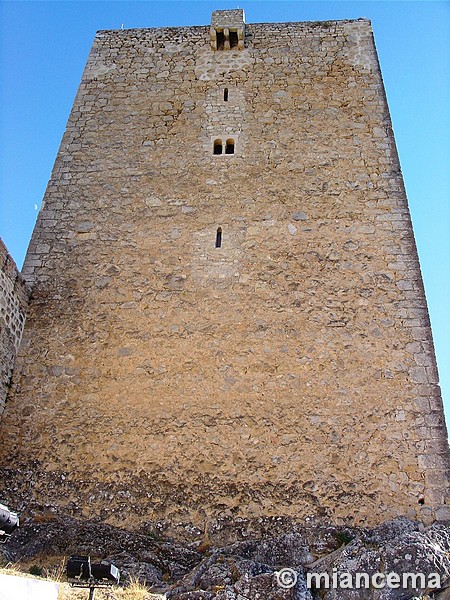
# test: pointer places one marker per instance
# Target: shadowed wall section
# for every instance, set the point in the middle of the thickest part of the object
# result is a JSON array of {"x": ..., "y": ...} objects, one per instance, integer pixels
[{"x": 13, "y": 306}]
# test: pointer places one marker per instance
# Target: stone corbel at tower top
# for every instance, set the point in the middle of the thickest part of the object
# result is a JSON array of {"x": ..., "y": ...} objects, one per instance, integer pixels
[{"x": 227, "y": 29}]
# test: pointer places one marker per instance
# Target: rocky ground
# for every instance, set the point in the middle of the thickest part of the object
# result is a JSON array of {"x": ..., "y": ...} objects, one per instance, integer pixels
[{"x": 245, "y": 560}]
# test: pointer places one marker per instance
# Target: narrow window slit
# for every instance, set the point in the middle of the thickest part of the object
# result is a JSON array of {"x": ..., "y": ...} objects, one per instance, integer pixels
[
  {"x": 225, "y": 94},
  {"x": 219, "y": 237}
]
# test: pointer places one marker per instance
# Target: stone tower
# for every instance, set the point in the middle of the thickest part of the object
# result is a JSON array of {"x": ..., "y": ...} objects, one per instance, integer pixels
[{"x": 227, "y": 316}]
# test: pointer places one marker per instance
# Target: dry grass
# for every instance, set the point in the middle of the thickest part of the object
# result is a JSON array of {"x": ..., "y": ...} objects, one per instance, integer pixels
[{"x": 133, "y": 591}]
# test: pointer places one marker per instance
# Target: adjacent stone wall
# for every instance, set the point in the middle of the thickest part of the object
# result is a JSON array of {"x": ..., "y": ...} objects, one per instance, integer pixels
[
  {"x": 288, "y": 372},
  {"x": 13, "y": 306}
]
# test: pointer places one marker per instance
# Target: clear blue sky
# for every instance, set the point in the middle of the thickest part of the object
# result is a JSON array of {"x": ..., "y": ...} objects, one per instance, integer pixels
[{"x": 44, "y": 46}]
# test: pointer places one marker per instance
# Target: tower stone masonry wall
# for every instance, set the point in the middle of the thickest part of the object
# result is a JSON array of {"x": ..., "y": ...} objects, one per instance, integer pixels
[
  {"x": 13, "y": 306},
  {"x": 290, "y": 371}
]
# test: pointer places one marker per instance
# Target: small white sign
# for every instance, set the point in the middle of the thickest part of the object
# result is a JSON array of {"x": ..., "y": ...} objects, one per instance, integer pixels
[{"x": 14, "y": 587}]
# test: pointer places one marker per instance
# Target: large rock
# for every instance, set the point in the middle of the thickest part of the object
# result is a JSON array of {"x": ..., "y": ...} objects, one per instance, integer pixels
[
  {"x": 419, "y": 553},
  {"x": 252, "y": 569},
  {"x": 249, "y": 569}
]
